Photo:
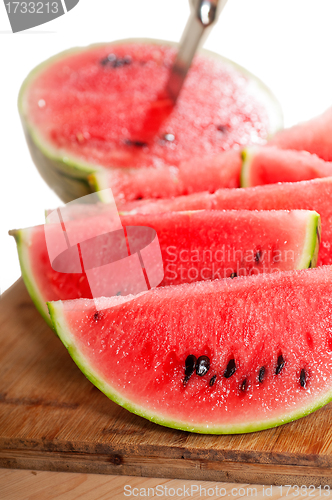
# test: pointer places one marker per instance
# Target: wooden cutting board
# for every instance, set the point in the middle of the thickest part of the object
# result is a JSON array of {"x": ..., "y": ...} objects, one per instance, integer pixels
[{"x": 53, "y": 418}]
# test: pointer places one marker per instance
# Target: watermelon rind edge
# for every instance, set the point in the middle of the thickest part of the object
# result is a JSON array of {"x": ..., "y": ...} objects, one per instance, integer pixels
[
  {"x": 22, "y": 238},
  {"x": 247, "y": 155},
  {"x": 312, "y": 242},
  {"x": 63, "y": 332},
  {"x": 51, "y": 162},
  {"x": 98, "y": 184}
]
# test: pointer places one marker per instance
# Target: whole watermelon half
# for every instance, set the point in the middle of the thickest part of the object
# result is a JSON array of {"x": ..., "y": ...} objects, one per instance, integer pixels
[{"x": 93, "y": 109}]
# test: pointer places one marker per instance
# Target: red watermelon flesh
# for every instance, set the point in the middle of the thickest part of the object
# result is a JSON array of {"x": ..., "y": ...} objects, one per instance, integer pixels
[
  {"x": 194, "y": 246},
  {"x": 266, "y": 340},
  {"x": 308, "y": 195},
  {"x": 90, "y": 105},
  {"x": 269, "y": 165},
  {"x": 198, "y": 174},
  {"x": 217, "y": 244},
  {"x": 313, "y": 136}
]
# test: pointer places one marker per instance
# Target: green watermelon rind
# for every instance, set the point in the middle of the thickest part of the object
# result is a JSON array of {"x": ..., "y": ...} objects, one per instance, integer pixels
[
  {"x": 98, "y": 183},
  {"x": 51, "y": 163},
  {"x": 23, "y": 242},
  {"x": 63, "y": 331},
  {"x": 312, "y": 242},
  {"x": 247, "y": 155}
]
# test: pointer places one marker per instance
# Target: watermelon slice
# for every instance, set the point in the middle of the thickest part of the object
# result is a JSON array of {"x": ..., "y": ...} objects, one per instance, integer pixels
[
  {"x": 194, "y": 246},
  {"x": 269, "y": 165},
  {"x": 221, "y": 170},
  {"x": 313, "y": 136},
  {"x": 91, "y": 109},
  {"x": 308, "y": 195},
  {"x": 227, "y": 356}
]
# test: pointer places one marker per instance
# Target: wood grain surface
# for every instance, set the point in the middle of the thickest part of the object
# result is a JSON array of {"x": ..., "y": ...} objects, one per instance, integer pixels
[
  {"x": 52, "y": 418},
  {"x": 39, "y": 485}
]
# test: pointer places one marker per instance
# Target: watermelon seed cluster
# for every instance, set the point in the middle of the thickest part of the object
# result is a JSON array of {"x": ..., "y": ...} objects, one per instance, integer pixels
[
  {"x": 115, "y": 62},
  {"x": 202, "y": 366}
]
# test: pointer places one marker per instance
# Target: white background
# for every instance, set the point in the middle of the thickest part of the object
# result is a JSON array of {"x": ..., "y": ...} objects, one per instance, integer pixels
[{"x": 287, "y": 43}]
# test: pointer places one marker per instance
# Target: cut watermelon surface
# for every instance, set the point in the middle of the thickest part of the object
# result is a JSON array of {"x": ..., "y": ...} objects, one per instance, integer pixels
[
  {"x": 313, "y": 136},
  {"x": 226, "y": 356},
  {"x": 308, "y": 195},
  {"x": 269, "y": 165},
  {"x": 92, "y": 109},
  {"x": 194, "y": 246},
  {"x": 199, "y": 174}
]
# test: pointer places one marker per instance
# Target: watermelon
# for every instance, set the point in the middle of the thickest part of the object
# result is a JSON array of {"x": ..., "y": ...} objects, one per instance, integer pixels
[
  {"x": 315, "y": 194},
  {"x": 313, "y": 136},
  {"x": 194, "y": 246},
  {"x": 96, "y": 108},
  {"x": 223, "y": 356},
  {"x": 269, "y": 164},
  {"x": 220, "y": 170}
]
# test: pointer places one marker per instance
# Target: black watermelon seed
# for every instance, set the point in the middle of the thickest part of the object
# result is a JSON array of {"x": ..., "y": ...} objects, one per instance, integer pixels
[
  {"x": 231, "y": 369},
  {"x": 280, "y": 364},
  {"x": 190, "y": 364},
  {"x": 98, "y": 315},
  {"x": 212, "y": 380},
  {"x": 137, "y": 144},
  {"x": 233, "y": 275},
  {"x": 258, "y": 256},
  {"x": 223, "y": 128},
  {"x": 169, "y": 137},
  {"x": 303, "y": 381},
  {"x": 202, "y": 365},
  {"x": 261, "y": 374},
  {"x": 244, "y": 385}
]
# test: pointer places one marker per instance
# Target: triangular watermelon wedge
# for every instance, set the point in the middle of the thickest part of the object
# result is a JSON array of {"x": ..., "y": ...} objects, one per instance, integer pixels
[
  {"x": 194, "y": 246},
  {"x": 227, "y": 356},
  {"x": 314, "y": 194},
  {"x": 270, "y": 165},
  {"x": 313, "y": 136}
]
